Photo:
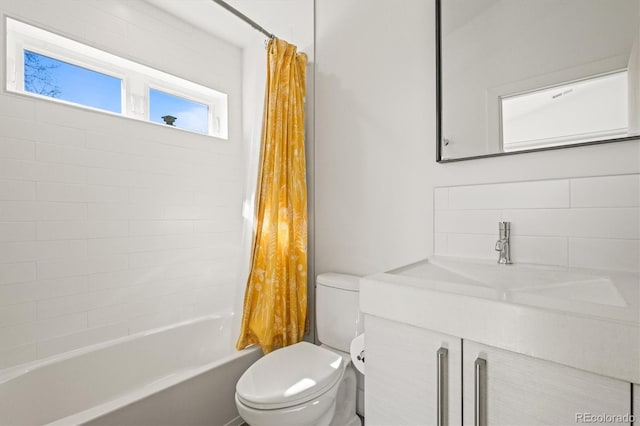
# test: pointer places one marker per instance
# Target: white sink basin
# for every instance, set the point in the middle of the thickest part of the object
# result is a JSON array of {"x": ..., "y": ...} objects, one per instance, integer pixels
[
  {"x": 572, "y": 316},
  {"x": 507, "y": 280}
]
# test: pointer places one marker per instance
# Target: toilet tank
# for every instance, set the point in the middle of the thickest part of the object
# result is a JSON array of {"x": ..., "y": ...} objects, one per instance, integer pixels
[{"x": 338, "y": 318}]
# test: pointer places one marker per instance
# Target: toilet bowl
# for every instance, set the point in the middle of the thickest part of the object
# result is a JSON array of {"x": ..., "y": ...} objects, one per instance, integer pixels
[
  {"x": 302, "y": 384},
  {"x": 305, "y": 384}
]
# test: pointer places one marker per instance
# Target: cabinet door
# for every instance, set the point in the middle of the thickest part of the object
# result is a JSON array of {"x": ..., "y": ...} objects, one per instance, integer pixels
[
  {"x": 401, "y": 381},
  {"x": 515, "y": 389}
]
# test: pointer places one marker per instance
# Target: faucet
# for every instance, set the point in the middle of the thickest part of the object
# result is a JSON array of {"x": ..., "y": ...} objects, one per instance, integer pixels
[{"x": 503, "y": 245}]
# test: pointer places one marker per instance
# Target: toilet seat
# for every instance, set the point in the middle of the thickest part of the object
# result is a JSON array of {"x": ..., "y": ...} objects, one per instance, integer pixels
[{"x": 290, "y": 376}]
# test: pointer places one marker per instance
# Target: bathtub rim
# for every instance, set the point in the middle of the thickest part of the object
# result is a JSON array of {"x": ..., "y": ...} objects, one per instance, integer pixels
[{"x": 14, "y": 372}]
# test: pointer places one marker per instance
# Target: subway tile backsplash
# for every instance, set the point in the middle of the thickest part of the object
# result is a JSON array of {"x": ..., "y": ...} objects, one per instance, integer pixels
[
  {"x": 608, "y": 191},
  {"x": 519, "y": 195},
  {"x": 585, "y": 222}
]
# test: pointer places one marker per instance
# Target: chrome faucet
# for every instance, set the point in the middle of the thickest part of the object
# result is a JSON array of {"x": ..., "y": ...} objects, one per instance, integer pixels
[{"x": 503, "y": 245}]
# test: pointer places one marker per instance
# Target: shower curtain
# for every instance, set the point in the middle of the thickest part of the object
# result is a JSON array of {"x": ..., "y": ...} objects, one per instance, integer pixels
[{"x": 275, "y": 301}]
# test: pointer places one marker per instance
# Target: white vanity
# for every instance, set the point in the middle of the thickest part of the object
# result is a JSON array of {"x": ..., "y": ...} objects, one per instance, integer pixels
[{"x": 476, "y": 343}]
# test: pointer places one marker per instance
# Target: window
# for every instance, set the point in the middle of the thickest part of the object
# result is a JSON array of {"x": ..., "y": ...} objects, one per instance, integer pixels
[
  {"x": 177, "y": 111},
  {"x": 46, "y": 65},
  {"x": 60, "y": 80},
  {"x": 579, "y": 111}
]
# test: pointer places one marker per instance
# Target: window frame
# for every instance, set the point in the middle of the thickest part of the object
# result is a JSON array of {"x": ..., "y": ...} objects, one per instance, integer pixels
[{"x": 136, "y": 78}]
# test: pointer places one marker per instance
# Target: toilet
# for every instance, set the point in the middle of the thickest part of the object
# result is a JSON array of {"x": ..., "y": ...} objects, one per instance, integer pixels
[{"x": 306, "y": 384}]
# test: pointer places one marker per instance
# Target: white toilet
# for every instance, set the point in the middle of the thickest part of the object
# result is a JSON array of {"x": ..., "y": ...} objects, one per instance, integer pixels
[{"x": 305, "y": 384}]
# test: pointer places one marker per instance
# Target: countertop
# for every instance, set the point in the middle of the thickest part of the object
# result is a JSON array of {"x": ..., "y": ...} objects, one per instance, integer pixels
[{"x": 583, "y": 318}]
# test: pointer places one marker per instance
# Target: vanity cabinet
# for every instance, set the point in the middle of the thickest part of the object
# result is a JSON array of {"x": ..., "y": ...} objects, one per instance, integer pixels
[
  {"x": 506, "y": 388},
  {"x": 403, "y": 367},
  {"x": 406, "y": 383}
]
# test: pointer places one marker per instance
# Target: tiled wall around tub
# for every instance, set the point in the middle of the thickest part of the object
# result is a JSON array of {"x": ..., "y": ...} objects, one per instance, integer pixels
[
  {"x": 586, "y": 222},
  {"x": 110, "y": 226}
]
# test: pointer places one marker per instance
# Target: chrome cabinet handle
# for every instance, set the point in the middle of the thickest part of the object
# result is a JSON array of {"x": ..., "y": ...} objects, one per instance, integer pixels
[
  {"x": 443, "y": 386},
  {"x": 480, "y": 400}
]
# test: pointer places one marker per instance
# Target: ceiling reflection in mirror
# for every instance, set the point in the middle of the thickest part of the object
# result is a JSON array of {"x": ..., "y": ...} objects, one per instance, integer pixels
[{"x": 523, "y": 75}]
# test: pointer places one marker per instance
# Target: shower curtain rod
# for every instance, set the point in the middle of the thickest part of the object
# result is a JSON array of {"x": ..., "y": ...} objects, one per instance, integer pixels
[{"x": 244, "y": 17}]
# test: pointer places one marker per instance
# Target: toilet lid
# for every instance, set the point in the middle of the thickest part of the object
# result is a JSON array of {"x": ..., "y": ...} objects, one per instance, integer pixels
[{"x": 289, "y": 376}]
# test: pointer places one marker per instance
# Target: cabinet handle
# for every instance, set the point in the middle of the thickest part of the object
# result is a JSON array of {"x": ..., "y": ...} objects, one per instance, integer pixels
[
  {"x": 443, "y": 382},
  {"x": 480, "y": 400}
]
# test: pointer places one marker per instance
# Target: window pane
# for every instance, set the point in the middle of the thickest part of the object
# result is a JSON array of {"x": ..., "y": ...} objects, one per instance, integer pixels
[
  {"x": 178, "y": 112},
  {"x": 57, "y": 79}
]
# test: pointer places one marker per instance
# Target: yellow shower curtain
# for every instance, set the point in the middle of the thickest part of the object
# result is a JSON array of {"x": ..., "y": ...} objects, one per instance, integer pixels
[{"x": 275, "y": 301}]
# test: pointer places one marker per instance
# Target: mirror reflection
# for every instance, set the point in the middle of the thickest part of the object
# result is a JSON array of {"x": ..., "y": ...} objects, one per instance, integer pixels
[{"x": 521, "y": 75}]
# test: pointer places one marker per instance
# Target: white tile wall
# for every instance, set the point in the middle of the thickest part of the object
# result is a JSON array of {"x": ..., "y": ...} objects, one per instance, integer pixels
[
  {"x": 587, "y": 222},
  {"x": 110, "y": 226}
]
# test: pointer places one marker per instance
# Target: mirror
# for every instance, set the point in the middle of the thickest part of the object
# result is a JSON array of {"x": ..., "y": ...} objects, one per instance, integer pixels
[{"x": 520, "y": 75}]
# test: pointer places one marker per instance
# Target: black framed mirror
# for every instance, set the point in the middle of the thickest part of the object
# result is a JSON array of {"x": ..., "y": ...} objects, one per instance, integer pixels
[{"x": 516, "y": 76}]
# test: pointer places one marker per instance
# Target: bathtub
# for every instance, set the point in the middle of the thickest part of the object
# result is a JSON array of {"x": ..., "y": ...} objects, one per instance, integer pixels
[{"x": 184, "y": 374}]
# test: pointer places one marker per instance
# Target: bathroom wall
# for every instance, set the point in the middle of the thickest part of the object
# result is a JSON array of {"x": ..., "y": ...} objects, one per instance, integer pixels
[
  {"x": 110, "y": 226},
  {"x": 375, "y": 140}
]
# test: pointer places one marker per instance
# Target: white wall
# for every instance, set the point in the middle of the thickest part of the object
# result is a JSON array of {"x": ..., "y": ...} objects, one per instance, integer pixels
[
  {"x": 375, "y": 139},
  {"x": 375, "y": 115},
  {"x": 109, "y": 226}
]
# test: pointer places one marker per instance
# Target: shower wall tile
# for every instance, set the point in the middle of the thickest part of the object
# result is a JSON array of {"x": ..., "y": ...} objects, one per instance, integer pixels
[
  {"x": 36, "y": 250},
  {"x": 588, "y": 222},
  {"x": 17, "y": 272},
  {"x": 11, "y": 294},
  {"x": 62, "y": 230},
  {"x": 15, "y": 190},
  {"x": 17, "y": 231},
  {"x": 17, "y": 355},
  {"x": 109, "y": 226},
  {"x": 73, "y": 193},
  {"x": 16, "y": 149},
  {"x": 14, "y": 314},
  {"x": 41, "y": 210},
  {"x": 87, "y": 337}
]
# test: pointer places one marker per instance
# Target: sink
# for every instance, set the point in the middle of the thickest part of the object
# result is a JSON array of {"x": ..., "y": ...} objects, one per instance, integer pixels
[
  {"x": 550, "y": 312},
  {"x": 516, "y": 282},
  {"x": 550, "y": 281},
  {"x": 601, "y": 291}
]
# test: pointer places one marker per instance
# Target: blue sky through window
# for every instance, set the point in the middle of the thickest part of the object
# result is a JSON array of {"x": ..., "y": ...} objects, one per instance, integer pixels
[
  {"x": 61, "y": 80},
  {"x": 190, "y": 115}
]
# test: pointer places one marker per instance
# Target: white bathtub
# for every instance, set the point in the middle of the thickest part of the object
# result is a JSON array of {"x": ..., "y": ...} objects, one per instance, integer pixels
[{"x": 184, "y": 374}]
